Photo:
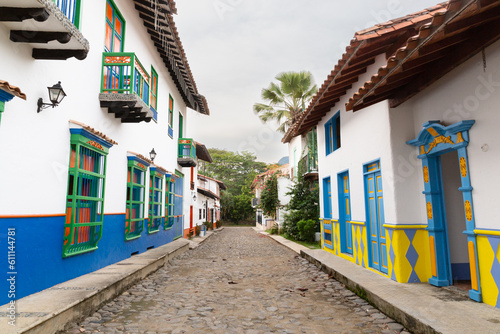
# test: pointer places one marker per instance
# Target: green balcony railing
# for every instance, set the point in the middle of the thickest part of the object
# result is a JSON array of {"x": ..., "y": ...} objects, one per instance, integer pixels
[
  {"x": 123, "y": 73},
  {"x": 308, "y": 164},
  {"x": 70, "y": 8},
  {"x": 187, "y": 148}
]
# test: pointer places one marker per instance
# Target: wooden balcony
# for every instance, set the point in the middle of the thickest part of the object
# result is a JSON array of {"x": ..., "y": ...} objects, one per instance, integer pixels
[
  {"x": 308, "y": 166},
  {"x": 186, "y": 152},
  {"x": 125, "y": 87},
  {"x": 49, "y": 26}
]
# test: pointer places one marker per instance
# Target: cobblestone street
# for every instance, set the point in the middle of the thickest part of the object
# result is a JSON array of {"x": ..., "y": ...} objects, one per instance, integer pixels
[{"x": 238, "y": 281}]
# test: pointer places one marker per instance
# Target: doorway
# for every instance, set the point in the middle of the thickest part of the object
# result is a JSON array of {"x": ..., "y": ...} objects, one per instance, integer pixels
[{"x": 455, "y": 221}]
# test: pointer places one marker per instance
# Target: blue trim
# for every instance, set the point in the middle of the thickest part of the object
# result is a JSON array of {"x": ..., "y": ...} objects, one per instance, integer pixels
[
  {"x": 170, "y": 132},
  {"x": 155, "y": 113},
  {"x": 456, "y": 138},
  {"x": 476, "y": 296},
  {"x": 89, "y": 135},
  {"x": 346, "y": 238},
  {"x": 5, "y": 97},
  {"x": 331, "y": 130},
  {"x": 136, "y": 158},
  {"x": 424, "y": 137},
  {"x": 327, "y": 203},
  {"x": 38, "y": 251},
  {"x": 157, "y": 170}
]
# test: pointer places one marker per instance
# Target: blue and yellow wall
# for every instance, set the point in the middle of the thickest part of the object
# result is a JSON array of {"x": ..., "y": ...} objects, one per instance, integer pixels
[
  {"x": 408, "y": 249},
  {"x": 409, "y": 254}
]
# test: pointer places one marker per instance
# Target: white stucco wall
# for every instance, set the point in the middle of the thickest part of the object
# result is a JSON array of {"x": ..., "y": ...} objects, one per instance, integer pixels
[
  {"x": 470, "y": 92},
  {"x": 365, "y": 136},
  {"x": 40, "y": 142},
  {"x": 294, "y": 153}
]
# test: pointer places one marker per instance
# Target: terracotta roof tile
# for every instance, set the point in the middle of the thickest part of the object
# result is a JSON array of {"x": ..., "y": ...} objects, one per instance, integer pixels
[
  {"x": 16, "y": 91},
  {"x": 140, "y": 156},
  {"x": 361, "y": 38},
  {"x": 412, "y": 45},
  {"x": 94, "y": 131}
]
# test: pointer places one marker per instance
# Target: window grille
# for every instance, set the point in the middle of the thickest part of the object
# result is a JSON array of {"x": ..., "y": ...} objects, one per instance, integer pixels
[
  {"x": 155, "y": 200},
  {"x": 136, "y": 188},
  {"x": 85, "y": 196}
]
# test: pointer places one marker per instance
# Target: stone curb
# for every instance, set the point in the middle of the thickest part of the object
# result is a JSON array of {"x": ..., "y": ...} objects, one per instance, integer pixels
[
  {"x": 78, "y": 298},
  {"x": 407, "y": 320},
  {"x": 297, "y": 248}
]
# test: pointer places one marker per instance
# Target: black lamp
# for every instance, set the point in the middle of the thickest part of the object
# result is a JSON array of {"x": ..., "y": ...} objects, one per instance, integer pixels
[
  {"x": 152, "y": 155},
  {"x": 56, "y": 95}
]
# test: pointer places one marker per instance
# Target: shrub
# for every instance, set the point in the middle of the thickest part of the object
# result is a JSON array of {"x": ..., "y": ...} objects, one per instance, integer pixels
[
  {"x": 290, "y": 224},
  {"x": 208, "y": 225},
  {"x": 197, "y": 230},
  {"x": 274, "y": 229},
  {"x": 307, "y": 229}
]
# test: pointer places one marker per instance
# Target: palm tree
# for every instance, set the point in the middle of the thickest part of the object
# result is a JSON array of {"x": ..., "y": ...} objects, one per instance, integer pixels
[{"x": 286, "y": 99}]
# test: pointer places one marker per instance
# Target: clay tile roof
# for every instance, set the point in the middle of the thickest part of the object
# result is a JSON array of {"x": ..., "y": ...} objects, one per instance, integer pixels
[
  {"x": 161, "y": 169},
  {"x": 140, "y": 156},
  {"x": 453, "y": 35},
  {"x": 159, "y": 22},
  {"x": 16, "y": 91},
  {"x": 358, "y": 56},
  {"x": 94, "y": 131}
]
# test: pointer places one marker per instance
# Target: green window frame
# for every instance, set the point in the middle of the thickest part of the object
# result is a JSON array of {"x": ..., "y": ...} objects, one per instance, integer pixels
[
  {"x": 169, "y": 203},
  {"x": 181, "y": 125},
  {"x": 136, "y": 189},
  {"x": 155, "y": 200},
  {"x": 170, "y": 115},
  {"x": 115, "y": 28},
  {"x": 85, "y": 195},
  {"x": 154, "y": 93}
]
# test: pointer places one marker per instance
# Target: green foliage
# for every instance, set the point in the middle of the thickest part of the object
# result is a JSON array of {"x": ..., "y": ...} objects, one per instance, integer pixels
[
  {"x": 234, "y": 169},
  {"x": 269, "y": 200},
  {"x": 237, "y": 171},
  {"x": 307, "y": 229},
  {"x": 286, "y": 99},
  {"x": 208, "y": 225},
  {"x": 274, "y": 229},
  {"x": 303, "y": 206},
  {"x": 197, "y": 230}
]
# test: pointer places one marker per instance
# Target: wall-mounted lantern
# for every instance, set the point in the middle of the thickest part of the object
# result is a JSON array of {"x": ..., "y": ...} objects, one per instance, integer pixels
[{"x": 56, "y": 95}]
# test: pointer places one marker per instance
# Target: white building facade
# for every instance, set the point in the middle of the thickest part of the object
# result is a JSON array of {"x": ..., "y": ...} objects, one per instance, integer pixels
[
  {"x": 406, "y": 142},
  {"x": 95, "y": 195},
  {"x": 208, "y": 202}
]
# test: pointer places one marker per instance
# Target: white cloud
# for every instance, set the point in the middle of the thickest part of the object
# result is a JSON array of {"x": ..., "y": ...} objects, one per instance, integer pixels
[{"x": 236, "y": 47}]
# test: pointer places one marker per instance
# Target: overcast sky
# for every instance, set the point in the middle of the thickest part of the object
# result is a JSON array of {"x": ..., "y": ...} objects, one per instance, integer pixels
[{"x": 236, "y": 47}]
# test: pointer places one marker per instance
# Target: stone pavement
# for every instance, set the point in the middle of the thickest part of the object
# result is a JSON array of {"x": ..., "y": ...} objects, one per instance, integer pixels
[{"x": 238, "y": 281}]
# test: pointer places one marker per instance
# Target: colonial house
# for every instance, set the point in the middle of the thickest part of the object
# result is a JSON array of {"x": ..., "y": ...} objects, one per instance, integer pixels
[
  {"x": 407, "y": 148},
  {"x": 283, "y": 174},
  {"x": 106, "y": 148},
  {"x": 208, "y": 201}
]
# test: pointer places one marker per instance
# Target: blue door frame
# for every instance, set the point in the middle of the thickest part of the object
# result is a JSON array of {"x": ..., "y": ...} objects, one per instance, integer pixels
[
  {"x": 345, "y": 212},
  {"x": 434, "y": 140},
  {"x": 375, "y": 217},
  {"x": 327, "y": 213}
]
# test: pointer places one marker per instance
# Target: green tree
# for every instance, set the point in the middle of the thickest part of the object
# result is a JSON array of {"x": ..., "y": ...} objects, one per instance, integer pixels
[
  {"x": 234, "y": 169},
  {"x": 286, "y": 99},
  {"x": 237, "y": 171},
  {"x": 303, "y": 206},
  {"x": 269, "y": 200}
]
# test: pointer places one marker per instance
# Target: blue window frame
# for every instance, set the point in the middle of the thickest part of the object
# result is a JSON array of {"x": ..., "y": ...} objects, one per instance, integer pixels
[
  {"x": 332, "y": 133},
  {"x": 327, "y": 198}
]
